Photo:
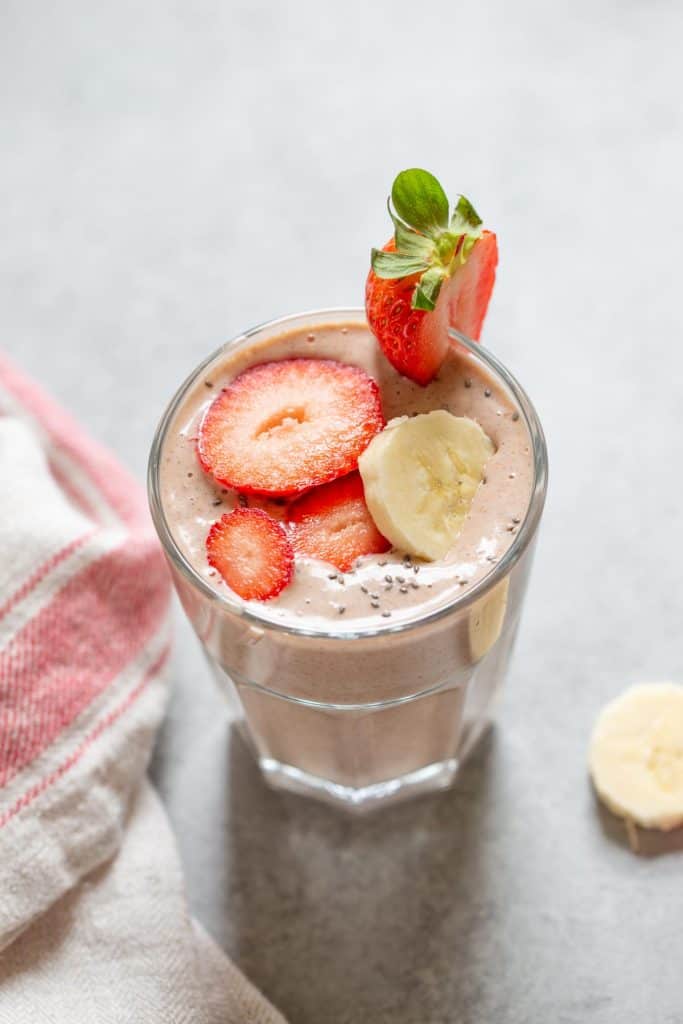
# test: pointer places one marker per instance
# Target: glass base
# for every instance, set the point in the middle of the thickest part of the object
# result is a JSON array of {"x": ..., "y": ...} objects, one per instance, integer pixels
[
  {"x": 345, "y": 757},
  {"x": 431, "y": 778}
]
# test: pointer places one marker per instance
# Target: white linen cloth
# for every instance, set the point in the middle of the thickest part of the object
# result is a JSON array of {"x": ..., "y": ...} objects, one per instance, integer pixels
[{"x": 94, "y": 925}]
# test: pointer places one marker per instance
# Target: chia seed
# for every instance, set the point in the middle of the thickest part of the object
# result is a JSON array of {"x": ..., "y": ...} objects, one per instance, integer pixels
[
  {"x": 416, "y": 569},
  {"x": 515, "y": 417},
  {"x": 341, "y": 578},
  {"x": 403, "y": 590},
  {"x": 364, "y": 589},
  {"x": 208, "y": 383},
  {"x": 389, "y": 578},
  {"x": 374, "y": 604},
  {"x": 389, "y": 586},
  {"x": 386, "y": 615},
  {"x": 374, "y": 597},
  {"x": 468, "y": 382},
  {"x": 516, "y": 519},
  {"x": 218, "y": 501},
  {"x": 487, "y": 392},
  {"x": 331, "y": 575},
  {"x": 190, "y": 474},
  {"x": 383, "y": 562},
  {"x": 341, "y": 609},
  {"x": 414, "y": 584}
]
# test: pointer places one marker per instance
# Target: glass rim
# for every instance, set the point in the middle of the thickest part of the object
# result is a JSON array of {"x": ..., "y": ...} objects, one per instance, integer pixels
[{"x": 499, "y": 570}]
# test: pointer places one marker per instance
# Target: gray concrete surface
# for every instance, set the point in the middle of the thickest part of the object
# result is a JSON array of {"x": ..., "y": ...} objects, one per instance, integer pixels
[{"x": 172, "y": 173}]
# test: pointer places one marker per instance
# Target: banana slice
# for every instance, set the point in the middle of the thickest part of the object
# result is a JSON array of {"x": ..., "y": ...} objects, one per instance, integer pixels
[
  {"x": 420, "y": 475},
  {"x": 486, "y": 619},
  {"x": 636, "y": 755}
]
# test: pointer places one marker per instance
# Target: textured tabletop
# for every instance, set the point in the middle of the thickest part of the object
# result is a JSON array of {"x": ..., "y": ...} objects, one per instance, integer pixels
[{"x": 172, "y": 173}]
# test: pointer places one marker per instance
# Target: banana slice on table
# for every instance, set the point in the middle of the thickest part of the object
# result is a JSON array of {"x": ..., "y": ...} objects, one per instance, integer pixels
[
  {"x": 420, "y": 475},
  {"x": 636, "y": 755}
]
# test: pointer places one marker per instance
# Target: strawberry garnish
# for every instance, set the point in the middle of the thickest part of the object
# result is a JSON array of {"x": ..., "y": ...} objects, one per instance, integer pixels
[
  {"x": 332, "y": 523},
  {"x": 251, "y": 552},
  {"x": 281, "y": 428},
  {"x": 436, "y": 272}
]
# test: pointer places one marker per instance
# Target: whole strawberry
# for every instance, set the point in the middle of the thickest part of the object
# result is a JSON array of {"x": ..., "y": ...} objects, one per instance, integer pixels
[{"x": 437, "y": 272}]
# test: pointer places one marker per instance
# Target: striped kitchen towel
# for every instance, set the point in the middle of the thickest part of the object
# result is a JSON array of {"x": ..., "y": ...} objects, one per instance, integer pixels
[{"x": 93, "y": 921}]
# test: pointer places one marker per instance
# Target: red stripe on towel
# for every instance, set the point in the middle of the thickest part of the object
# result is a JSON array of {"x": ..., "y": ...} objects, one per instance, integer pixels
[
  {"x": 75, "y": 646},
  {"x": 74, "y": 757}
]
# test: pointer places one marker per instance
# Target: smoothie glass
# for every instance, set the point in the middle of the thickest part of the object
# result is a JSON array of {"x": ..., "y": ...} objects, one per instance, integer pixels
[{"x": 363, "y": 717}]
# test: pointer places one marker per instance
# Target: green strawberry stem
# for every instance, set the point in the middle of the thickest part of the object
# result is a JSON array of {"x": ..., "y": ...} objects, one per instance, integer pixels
[{"x": 427, "y": 242}]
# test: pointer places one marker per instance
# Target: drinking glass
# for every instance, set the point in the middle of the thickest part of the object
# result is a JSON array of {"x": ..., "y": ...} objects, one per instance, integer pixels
[{"x": 361, "y": 717}]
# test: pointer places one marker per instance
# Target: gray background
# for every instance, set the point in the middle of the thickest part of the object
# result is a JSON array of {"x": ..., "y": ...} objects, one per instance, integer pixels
[{"x": 172, "y": 173}]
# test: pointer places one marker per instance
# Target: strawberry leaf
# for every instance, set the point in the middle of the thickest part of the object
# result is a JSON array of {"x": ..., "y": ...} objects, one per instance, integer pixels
[
  {"x": 465, "y": 219},
  {"x": 466, "y": 226},
  {"x": 420, "y": 201},
  {"x": 390, "y": 265},
  {"x": 409, "y": 242},
  {"x": 427, "y": 291}
]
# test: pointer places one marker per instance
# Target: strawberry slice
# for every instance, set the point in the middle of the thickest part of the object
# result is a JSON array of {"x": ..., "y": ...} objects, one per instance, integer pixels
[
  {"x": 434, "y": 273},
  {"x": 251, "y": 552},
  {"x": 281, "y": 428},
  {"x": 469, "y": 290},
  {"x": 333, "y": 523}
]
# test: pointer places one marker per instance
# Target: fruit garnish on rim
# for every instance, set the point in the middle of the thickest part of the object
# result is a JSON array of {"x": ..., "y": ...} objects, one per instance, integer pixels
[{"x": 436, "y": 272}]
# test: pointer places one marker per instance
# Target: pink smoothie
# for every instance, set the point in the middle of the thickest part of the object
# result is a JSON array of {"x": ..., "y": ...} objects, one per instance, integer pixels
[
  {"x": 390, "y": 670},
  {"x": 381, "y": 589}
]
